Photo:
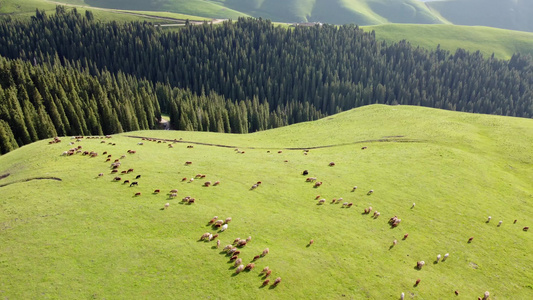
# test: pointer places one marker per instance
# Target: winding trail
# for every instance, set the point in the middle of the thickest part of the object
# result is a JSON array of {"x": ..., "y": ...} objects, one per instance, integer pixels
[
  {"x": 179, "y": 22},
  {"x": 386, "y": 139},
  {"x": 33, "y": 178}
]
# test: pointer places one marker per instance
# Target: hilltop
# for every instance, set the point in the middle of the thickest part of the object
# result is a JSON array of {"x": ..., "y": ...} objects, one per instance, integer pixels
[{"x": 89, "y": 237}]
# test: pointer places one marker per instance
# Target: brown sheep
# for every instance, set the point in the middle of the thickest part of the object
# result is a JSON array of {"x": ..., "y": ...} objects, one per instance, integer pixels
[
  {"x": 214, "y": 237},
  {"x": 265, "y": 269},
  {"x": 173, "y": 191},
  {"x": 405, "y": 236},
  {"x": 191, "y": 201},
  {"x": 420, "y": 264},
  {"x": 218, "y": 244},
  {"x": 311, "y": 242},
  {"x": 239, "y": 269},
  {"x": 242, "y": 243},
  {"x": 317, "y": 184},
  {"x": 256, "y": 257},
  {"x": 157, "y": 191},
  {"x": 188, "y": 163},
  {"x": 228, "y": 219},
  {"x": 248, "y": 239},
  {"x": 130, "y": 170},
  {"x": 237, "y": 252},
  {"x": 114, "y": 171},
  {"x": 349, "y": 204},
  {"x": 250, "y": 266},
  {"x": 526, "y": 228},
  {"x": 317, "y": 197},
  {"x": 213, "y": 220},
  {"x": 117, "y": 179},
  {"x": 331, "y": 164},
  {"x": 277, "y": 281},
  {"x": 101, "y": 174},
  {"x": 310, "y": 179},
  {"x": 417, "y": 282},
  {"x": 236, "y": 241},
  {"x": 184, "y": 179},
  {"x": 265, "y": 252},
  {"x": 268, "y": 273},
  {"x": 123, "y": 172},
  {"x": 207, "y": 183},
  {"x": 126, "y": 181},
  {"x": 216, "y": 183},
  {"x": 238, "y": 262},
  {"x": 234, "y": 257},
  {"x": 370, "y": 192},
  {"x": 470, "y": 239},
  {"x": 265, "y": 283}
]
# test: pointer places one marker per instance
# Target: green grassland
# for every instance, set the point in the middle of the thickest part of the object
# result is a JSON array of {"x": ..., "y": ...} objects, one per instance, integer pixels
[
  {"x": 503, "y": 43},
  {"x": 89, "y": 237}
]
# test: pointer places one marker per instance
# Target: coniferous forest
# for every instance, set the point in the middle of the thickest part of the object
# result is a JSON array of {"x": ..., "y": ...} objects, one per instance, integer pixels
[{"x": 68, "y": 74}]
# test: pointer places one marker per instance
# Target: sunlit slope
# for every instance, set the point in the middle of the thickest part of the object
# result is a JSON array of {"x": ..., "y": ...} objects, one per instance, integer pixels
[
  {"x": 89, "y": 237},
  {"x": 503, "y": 43}
]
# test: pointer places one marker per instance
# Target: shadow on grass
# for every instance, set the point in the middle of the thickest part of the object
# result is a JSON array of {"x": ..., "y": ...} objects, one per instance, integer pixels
[
  {"x": 272, "y": 287},
  {"x": 392, "y": 246}
]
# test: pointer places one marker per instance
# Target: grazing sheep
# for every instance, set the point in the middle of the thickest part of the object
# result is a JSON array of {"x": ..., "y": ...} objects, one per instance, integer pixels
[
  {"x": 207, "y": 183},
  {"x": 354, "y": 188},
  {"x": 349, "y": 205},
  {"x": 209, "y": 237},
  {"x": 236, "y": 241},
  {"x": 333, "y": 201},
  {"x": 402, "y": 296},
  {"x": 321, "y": 201},
  {"x": 265, "y": 283},
  {"x": 393, "y": 219},
  {"x": 213, "y": 237},
  {"x": 191, "y": 180},
  {"x": 134, "y": 183},
  {"x": 184, "y": 178},
  {"x": 219, "y": 222},
  {"x": 457, "y": 293},
  {"x": 311, "y": 242},
  {"x": 242, "y": 243},
  {"x": 489, "y": 219},
  {"x": 188, "y": 163},
  {"x": 123, "y": 172},
  {"x": 123, "y": 156},
  {"x": 213, "y": 220},
  {"x": 396, "y": 223},
  {"x": 232, "y": 250},
  {"x": 317, "y": 184},
  {"x": 331, "y": 164},
  {"x": 446, "y": 256},
  {"x": 438, "y": 258},
  {"x": 268, "y": 273},
  {"x": 265, "y": 269},
  {"x": 265, "y": 252},
  {"x": 157, "y": 191},
  {"x": 101, "y": 174},
  {"x": 363, "y": 148},
  {"x": 277, "y": 281},
  {"x": 138, "y": 176},
  {"x": 114, "y": 171},
  {"x": 191, "y": 201},
  {"x": 470, "y": 239},
  {"x": 254, "y": 187},
  {"x": 256, "y": 258},
  {"x": 206, "y": 235},
  {"x": 216, "y": 183},
  {"x": 377, "y": 214},
  {"x": 226, "y": 248},
  {"x": 239, "y": 269},
  {"x": 370, "y": 192},
  {"x": 305, "y": 172},
  {"x": 238, "y": 262},
  {"x": 486, "y": 295},
  {"x": 250, "y": 266},
  {"x": 117, "y": 179},
  {"x": 405, "y": 236},
  {"x": 526, "y": 228},
  {"x": 218, "y": 244},
  {"x": 173, "y": 191},
  {"x": 345, "y": 204},
  {"x": 413, "y": 205},
  {"x": 234, "y": 257},
  {"x": 280, "y": 151},
  {"x": 248, "y": 239},
  {"x": 317, "y": 196},
  {"x": 167, "y": 205},
  {"x": 173, "y": 195},
  {"x": 131, "y": 170},
  {"x": 500, "y": 223},
  {"x": 224, "y": 227},
  {"x": 138, "y": 194},
  {"x": 420, "y": 264},
  {"x": 310, "y": 179},
  {"x": 417, "y": 282}
]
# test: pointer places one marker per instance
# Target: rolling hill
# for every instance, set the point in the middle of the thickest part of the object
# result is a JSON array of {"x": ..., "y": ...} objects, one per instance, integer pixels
[
  {"x": 86, "y": 236},
  {"x": 506, "y": 14}
]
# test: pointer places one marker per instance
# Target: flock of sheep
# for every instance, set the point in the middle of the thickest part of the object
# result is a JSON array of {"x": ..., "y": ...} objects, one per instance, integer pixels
[{"x": 234, "y": 250}]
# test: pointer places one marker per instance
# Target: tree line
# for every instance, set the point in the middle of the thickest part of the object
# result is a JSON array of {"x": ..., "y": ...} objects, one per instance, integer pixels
[{"x": 250, "y": 75}]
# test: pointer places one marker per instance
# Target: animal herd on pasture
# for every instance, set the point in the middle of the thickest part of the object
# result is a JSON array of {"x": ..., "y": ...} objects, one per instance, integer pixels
[{"x": 234, "y": 250}]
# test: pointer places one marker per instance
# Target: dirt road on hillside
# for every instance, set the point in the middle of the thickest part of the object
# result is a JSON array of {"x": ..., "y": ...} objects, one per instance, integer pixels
[{"x": 179, "y": 22}]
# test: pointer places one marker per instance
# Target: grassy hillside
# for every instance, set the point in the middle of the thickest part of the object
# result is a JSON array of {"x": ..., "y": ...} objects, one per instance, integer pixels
[
  {"x": 503, "y": 43},
  {"x": 508, "y": 14},
  {"x": 89, "y": 237}
]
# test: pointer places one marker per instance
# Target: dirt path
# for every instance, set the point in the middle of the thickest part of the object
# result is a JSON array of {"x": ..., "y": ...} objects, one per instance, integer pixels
[
  {"x": 391, "y": 139},
  {"x": 180, "y": 22},
  {"x": 33, "y": 178}
]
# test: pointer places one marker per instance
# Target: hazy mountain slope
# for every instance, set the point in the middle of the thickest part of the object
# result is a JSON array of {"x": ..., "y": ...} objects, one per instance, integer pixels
[{"x": 507, "y": 14}]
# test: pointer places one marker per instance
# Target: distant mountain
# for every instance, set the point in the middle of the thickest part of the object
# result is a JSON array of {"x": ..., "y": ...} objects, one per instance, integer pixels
[{"x": 506, "y": 14}]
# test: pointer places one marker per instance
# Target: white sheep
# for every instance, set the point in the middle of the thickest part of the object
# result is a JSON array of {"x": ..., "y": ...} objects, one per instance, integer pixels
[
  {"x": 167, "y": 205},
  {"x": 224, "y": 227},
  {"x": 489, "y": 219},
  {"x": 500, "y": 223},
  {"x": 486, "y": 295},
  {"x": 402, "y": 296},
  {"x": 445, "y": 256},
  {"x": 438, "y": 258}
]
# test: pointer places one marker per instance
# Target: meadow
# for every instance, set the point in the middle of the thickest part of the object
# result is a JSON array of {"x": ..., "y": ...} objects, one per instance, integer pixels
[{"x": 88, "y": 236}]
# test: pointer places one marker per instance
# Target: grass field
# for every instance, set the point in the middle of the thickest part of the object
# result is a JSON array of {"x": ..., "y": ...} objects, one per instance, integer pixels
[
  {"x": 503, "y": 43},
  {"x": 89, "y": 237}
]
